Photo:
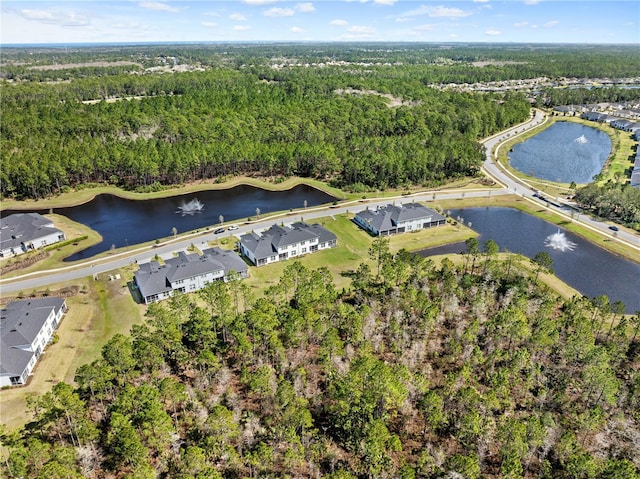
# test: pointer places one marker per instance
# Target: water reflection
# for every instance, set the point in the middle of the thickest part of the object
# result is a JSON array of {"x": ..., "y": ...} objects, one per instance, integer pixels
[
  {"x": 564, "y": 152},
  {"x": 586, "y": 267},
  {"x": 123, "y": 222}
]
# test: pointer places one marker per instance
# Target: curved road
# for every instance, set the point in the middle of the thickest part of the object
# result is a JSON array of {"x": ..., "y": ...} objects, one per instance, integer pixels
[{"x": 511, "y": 185}]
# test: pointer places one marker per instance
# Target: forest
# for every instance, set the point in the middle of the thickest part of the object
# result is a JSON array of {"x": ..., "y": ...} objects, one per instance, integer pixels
[
  {"x": 203, "y": 125},
  {"x": 616, "y": 202},
  {"x": 470, "y": 368},
  {"x": 268, "y": 110}
]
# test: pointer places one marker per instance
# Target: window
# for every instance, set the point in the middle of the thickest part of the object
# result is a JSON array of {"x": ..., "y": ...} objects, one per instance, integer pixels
[{"x": 304, "y": 250}]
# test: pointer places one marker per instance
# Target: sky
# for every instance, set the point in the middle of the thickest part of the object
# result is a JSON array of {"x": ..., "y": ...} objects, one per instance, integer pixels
[{"x": 518, "y": 21}]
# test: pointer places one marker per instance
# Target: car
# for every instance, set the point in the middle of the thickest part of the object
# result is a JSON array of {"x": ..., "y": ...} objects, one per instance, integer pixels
[
  {"x": 233, "y": 227},
  {"x": 614, "y": 228},
  {"x": 219, "y": 230}
]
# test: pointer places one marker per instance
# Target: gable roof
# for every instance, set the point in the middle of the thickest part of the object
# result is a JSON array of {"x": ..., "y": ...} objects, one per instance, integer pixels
[
  {"x": 279, "y": 236},
  {"x": 22, "y": 228},
  {"x": 153, "y": 278},
  {"x": 389, "y": 217},
  {"x": 189, "y": 265},
  {"x": 20, "y": 324},
  {"x": 229, "y": 260}
]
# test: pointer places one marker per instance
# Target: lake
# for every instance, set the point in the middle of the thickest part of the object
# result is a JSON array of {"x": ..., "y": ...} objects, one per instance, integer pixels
[
  {"x": 584, "y": 266},
  {"x": 122, "y": 222},
  {"x": 564, "y": 152}
]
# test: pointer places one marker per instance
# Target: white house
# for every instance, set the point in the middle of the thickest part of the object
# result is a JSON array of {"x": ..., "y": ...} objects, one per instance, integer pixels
[
  {"x": 187, "y": 273},
  {"x": 279, "y": 243},
  {"x": 26, "y": 327},
  {"x": 392, "y": 219},
  {"x": 22, "y": 232}
]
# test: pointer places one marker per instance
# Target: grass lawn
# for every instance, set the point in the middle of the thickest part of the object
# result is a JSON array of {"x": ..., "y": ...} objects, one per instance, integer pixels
[
  {"x": 101, "y": 309},
  {"x": 615, "y": 168},
  {"x": 72, "y": 230},
  {"x": 353, "y": 249},
  {"x": 547, "y": 215}
]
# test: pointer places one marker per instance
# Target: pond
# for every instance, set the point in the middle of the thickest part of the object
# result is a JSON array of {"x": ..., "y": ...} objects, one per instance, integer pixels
[
  {"x": 564, "y": 152},
  {"x": 582, "y": 265},
  {"x": 122, "y": 222}
]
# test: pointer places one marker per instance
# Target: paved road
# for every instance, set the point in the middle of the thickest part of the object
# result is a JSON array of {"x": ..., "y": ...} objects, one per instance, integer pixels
[
  {"x": 510, "y": 185},
  {"x": 521, "y": 188}
]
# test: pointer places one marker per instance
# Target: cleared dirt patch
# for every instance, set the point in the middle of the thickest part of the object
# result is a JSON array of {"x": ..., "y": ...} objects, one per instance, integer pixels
[
  {"x": 394, "y": 101},
  {"x": 63, "y": 66}
]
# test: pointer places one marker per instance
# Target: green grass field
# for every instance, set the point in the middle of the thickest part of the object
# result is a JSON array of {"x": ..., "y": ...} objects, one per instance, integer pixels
[{"x": 101, "y": 309}]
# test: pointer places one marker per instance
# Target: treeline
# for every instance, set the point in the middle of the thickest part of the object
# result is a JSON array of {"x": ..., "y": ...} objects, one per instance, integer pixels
[
  {"x": 202, "y": 125},
  {"x": 420, "y": 370},
  {"x": 447, "y": 62},
  {"x": 581, "y": 96},
  {"x": 619, "y": 203}
]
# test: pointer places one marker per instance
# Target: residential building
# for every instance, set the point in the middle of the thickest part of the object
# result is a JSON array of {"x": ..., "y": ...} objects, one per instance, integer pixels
[
  {"x": 22, "y": 232},
  {"x": 186, "y": 273},
  {"x": 392, "y": 219},
  {"x": 279, "y": 243},
  {"x": 26, "y": 327}
]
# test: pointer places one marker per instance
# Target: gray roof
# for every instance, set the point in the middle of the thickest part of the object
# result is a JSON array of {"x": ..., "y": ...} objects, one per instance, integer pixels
[
  {"x": 228, "y": 259},
  {"x": 379, "y": 220},
  {"x": 388, "y": 217},
  {"x": 153, "y": 278},
  {"x": 24, "y": 227},
  {"x": 189, "y": 265},
  {"x": 20, "y": 323},
  {"x": 323, "y": 234},
  {"x": 267, "y": 244}
]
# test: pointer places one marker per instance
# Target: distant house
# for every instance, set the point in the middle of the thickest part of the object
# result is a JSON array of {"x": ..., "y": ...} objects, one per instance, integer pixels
[
  {"x": 392, "y": 219},
  {"x": 22, "y": 232},
  {"x": 279, "y": 243},
  {"x": 622, "y": 124},
  {"x": 187, "y": 273},
  {"x": 593, "y": 116},
  {"x": 26, "y": 327}
]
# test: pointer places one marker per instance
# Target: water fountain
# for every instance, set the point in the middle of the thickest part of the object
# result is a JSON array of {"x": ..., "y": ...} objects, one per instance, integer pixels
[
  {"x": 190, "y": 208},
  {"x": 559, "y": 241},
  {"x": 581, "y": 139}
]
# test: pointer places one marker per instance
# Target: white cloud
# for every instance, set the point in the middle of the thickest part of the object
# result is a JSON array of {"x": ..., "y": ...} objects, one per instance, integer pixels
[
  {"x": 279, "y": 12},
  {"x": 162, "y": 7},
  {"x": 56, "y": 17},
  {"x": 259, "y": 2},
  {"x": 305, "y": 7},
  {"x": 377, "y": 2},
  {"x": 520, "y": 24},
  {"x": 361, "y": 29},
  {"x": 492, "y": 32},
  {"x": 339, "y": 22},
  {"x": 531, "y": 2},
  {"x": 209, "y": 24},
  {"x": 211, "y": 14},
  {"x": 241, "y": 28},
  {"x": 480, "y": 1},
  {"x": 423, "y": 28},
  {"x": 297, "y": 30},
  {"x": 436, "y": 11},
  {"x": 551, "y": 24},
  {"x": 238, "y": 17}
]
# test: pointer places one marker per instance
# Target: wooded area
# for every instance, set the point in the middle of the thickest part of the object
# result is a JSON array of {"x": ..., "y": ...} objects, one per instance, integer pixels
[
  {"x": 270, "y": 110},
  {"x": 422, "y": 370},
  {"x": 203, "y": 125}
]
